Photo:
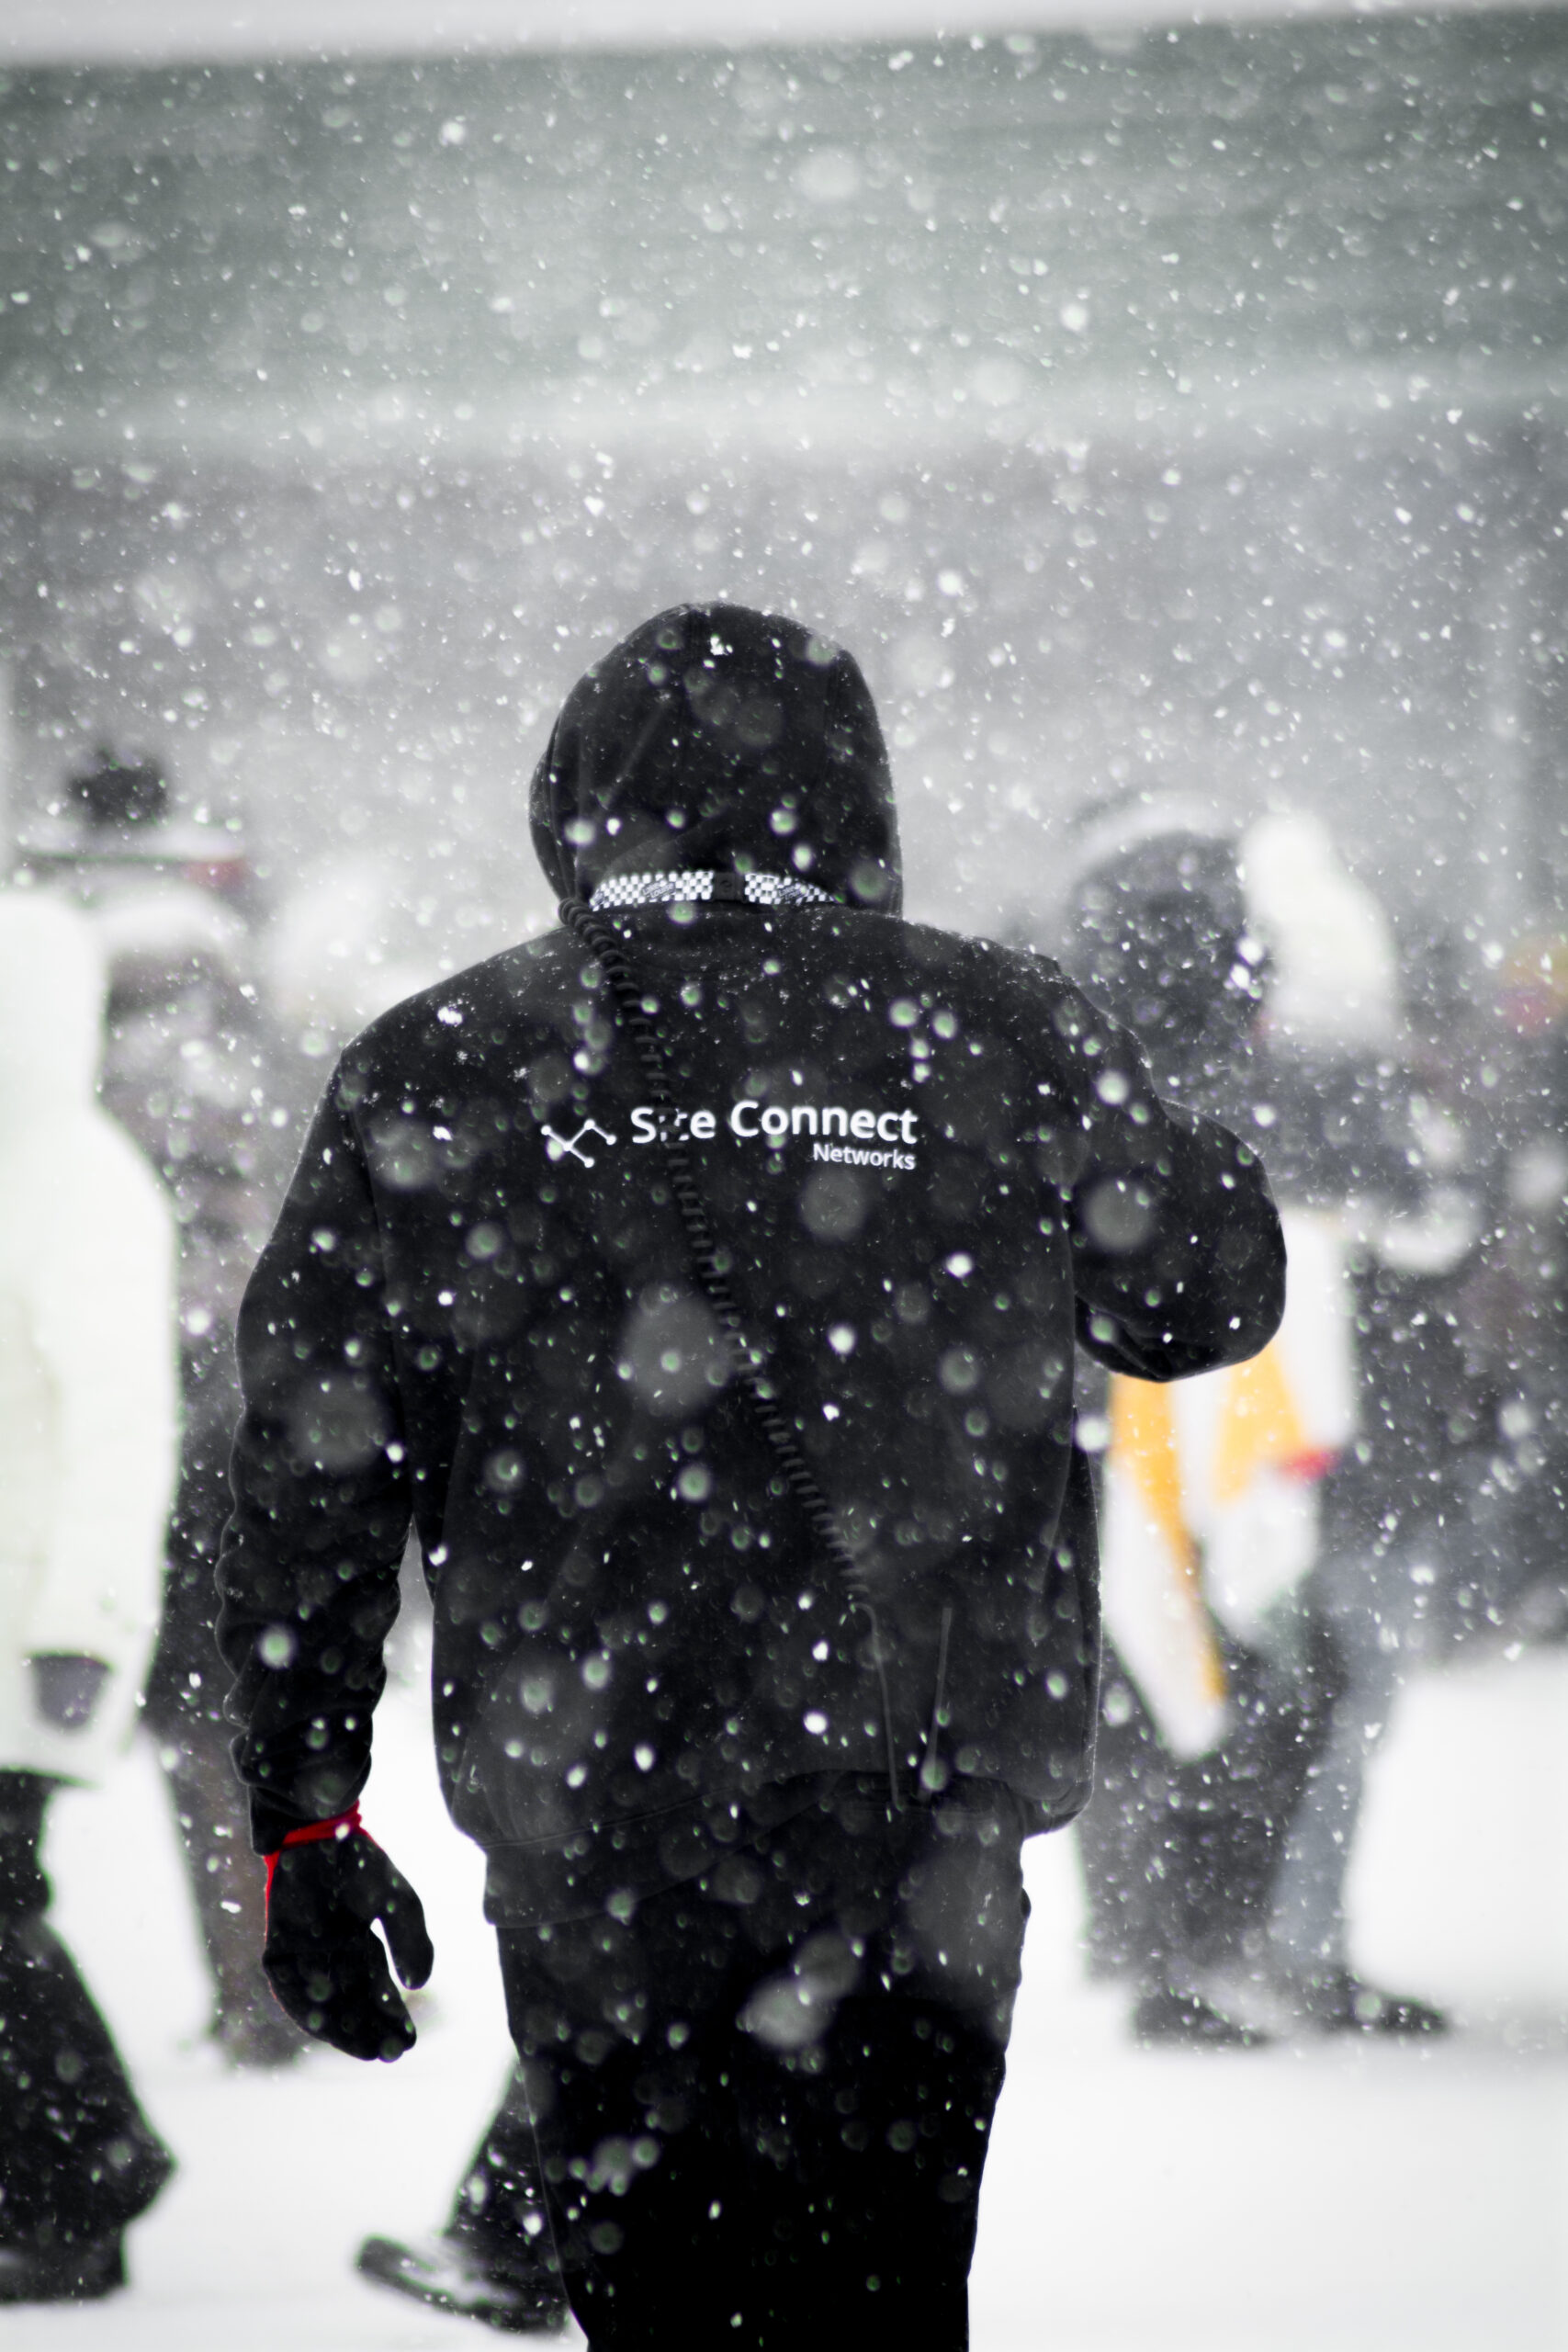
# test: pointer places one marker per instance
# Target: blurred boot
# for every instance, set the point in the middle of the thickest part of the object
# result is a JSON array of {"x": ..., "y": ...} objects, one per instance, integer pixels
[
  {"x": 74, "y": 2273},
  {"x": 1163, "y": 2017},
  {"x": 79, "y": 2159},
  {"x": 1335, "y": 2000},
  {"x": 496, "y": 2260},
  {"x": 450, "y": 2277}
]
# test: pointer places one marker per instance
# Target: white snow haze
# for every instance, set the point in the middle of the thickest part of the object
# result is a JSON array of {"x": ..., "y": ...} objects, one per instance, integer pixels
[{"x": 1156, "y": 402}]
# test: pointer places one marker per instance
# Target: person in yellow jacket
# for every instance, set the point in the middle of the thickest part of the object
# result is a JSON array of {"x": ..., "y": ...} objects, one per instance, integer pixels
[{"x": 1242, "y": 1651}]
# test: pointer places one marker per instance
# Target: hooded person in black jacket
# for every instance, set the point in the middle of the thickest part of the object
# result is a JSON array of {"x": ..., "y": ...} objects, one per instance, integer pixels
[{"x": 699, "y": 1281}]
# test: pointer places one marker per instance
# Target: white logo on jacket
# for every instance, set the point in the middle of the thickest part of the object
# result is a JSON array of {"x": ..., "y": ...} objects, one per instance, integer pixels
[
  {"x": 749, "y": 1121},
  {"x": 557, "y": 1146}
]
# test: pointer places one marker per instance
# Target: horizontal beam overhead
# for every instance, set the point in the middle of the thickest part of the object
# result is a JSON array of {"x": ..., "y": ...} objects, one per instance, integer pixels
[{"x": 170, "y": 32}]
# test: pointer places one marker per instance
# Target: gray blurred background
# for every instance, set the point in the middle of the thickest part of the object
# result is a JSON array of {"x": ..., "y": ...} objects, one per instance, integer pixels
[{"x": 1169, "y": 403}]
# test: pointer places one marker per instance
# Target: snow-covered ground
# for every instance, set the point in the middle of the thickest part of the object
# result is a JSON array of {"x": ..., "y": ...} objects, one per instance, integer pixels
[{"x": 1317, "y": 2198}]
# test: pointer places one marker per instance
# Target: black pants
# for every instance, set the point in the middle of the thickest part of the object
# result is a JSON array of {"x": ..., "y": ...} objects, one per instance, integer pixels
[
  {"x": 78, "y": 2159},
  {"x": 1180, "y": 1857},
  {"x": 763, "y": 2100}
]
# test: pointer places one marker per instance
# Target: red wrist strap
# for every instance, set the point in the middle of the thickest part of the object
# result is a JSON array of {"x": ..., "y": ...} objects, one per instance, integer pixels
[{"x": 341, "y": 1824}]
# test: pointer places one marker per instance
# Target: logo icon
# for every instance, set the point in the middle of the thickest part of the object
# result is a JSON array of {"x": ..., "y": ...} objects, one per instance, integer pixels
[{"x": 557, "y": 1146}]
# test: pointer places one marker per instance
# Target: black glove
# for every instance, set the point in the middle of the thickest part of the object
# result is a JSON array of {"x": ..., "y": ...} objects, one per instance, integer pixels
[
  {"x": 66, "y": 1686},
  {"x": 321, "y": 1956}
]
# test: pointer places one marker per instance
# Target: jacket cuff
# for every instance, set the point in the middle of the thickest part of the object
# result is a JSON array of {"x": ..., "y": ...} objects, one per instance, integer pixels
[
  {"x": 317, "y": 1833},
  {"x": 271, "y": 1824}
]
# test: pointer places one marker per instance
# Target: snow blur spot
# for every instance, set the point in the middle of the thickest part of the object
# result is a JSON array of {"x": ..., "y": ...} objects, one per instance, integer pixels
[
  {"x": 830, "y": 176},
  {"x": 673, "y": 1351},
  {"x": 833, "y": 1203}
]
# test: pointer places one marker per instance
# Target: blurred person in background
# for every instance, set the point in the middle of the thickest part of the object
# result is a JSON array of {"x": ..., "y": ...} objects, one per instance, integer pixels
[
  {"x": 88, "y": 1446},
  {"x": 1438, "y": 1312},
  {"x": 1397, "y": 1516},
  {"x": 1457, "y": 1468},
  {"x": 756, "y": 1661},
  {"x": 1255, "y": 1629},
  {"x": 195, "y": 1073},
  {"x": 1524, "y": 1314}
]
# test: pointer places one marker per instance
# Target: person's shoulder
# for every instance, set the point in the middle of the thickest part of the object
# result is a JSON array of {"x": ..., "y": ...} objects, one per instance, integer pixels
[
  {"x": 460, "y": 1016},
  {"x": 995, "y": 972}
]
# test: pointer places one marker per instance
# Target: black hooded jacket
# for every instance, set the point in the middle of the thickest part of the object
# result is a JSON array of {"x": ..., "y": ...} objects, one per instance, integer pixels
[{"x": 930, "y": 1161}]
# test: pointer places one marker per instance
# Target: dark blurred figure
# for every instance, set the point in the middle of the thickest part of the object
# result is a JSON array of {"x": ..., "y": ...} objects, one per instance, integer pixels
[
  {"x": 1444, "y": 1524},
  {"x": 194, "y": 1071},
  {"x": 1234, "y": 1725},
  {"x": 494, "y": 2261},
  {"x": 1522, "y": 1318},
  {"x": 88, "y": 1441}
]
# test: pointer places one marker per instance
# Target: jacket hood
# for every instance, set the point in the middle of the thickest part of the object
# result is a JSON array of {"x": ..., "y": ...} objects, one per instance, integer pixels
[
  {"x": 715, "y": 736},
  {"x": 1156, "y": 930},
  {"x": 51, "y": 1008}
]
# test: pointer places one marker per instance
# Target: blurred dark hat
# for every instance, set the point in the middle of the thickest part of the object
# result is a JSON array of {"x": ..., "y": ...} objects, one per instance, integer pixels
[
  {"x": 120, "y": 811},
  {"x": 1156, "y": 926},
  {"x": 119, "y": 792}
]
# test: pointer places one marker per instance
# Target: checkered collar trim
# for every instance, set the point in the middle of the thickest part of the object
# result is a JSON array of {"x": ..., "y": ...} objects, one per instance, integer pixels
[{"x": 698, "y": 883}]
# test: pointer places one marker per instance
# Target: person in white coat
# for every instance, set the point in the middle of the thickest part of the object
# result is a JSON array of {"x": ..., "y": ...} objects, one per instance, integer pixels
[
  {"x": 195, "y": 1073},
  {"x": 89, "y": 1424}
]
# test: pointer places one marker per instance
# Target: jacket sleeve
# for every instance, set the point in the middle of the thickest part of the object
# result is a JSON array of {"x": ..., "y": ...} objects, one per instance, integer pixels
[
  {"x": 1178, "y": 1259},
  {"x": 308, "y": 1573}
]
